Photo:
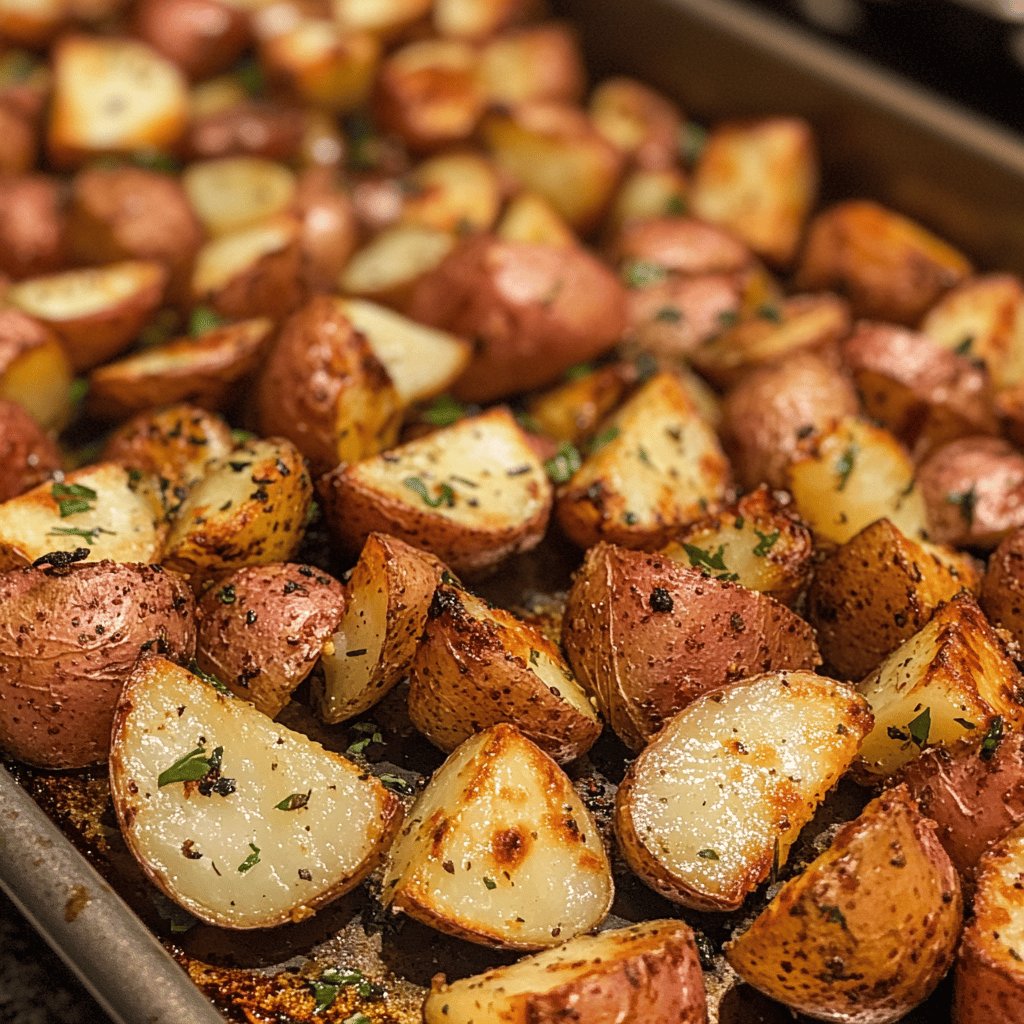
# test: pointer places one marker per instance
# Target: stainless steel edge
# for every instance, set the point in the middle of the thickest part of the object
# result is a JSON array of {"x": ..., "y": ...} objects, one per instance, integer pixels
[{"x": 88, "y": 925}]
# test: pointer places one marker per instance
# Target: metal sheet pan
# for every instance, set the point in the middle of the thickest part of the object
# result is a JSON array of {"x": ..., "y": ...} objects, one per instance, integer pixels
[{"x": 879, "y": 137}]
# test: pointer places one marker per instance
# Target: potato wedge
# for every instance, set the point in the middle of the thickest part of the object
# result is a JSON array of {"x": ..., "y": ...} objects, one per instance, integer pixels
[
  {"x": 421, "y": 361},
  {"x": 722, "y": 792},
  {"x": 500, "y": 850},
  {"x": 531, "y": 218},
  {"x": 477, "y": 666},
  {"x": 28, "y": 455},
  {"x": 104, "y": 510},
  {"x": 261, "y": 630},
  {"x": 951, "y": 679},
  {"x": 888, "y": 266},
  {"x": 113, "y": 95},
  {"x": 96, "y": 312},
  {"x": 249, "y": 509},
  {"x": 573, "y": 411},
  {"x": 209, "y": 371},
  {"x": 532, "y": 310},
  {"x": 534, "y": 62},
  {"x": 877, "y": 590},
  {"x": 1003, "y": 585},
  {"x": 639, "y": 121},
  {"x": 236, "y": 192},
  {"x": 556, "y": 151},
  {"x": 868, "y": 930},
  {"x": 243, "y": 822},
  {"x": 473, "y": 494},
  {"x": 974, "y": 491},
  {"x": 847, "y": 477},
  {"x": 35, "y": 371},
  {"x": 648, "y": 972},
  {"x": 202, "y": 37},
  {"x": 69, "y": 639},
  {"x": 764, "y": 544},
  {"x": 983, "y": 318},
  {"x": 759, "y": 179},
  {"x": 973, "y": 790},
  {"x": 768, "y": 413},
  {"x": 387, "y": 598},
  {"x": 989, "y": 977},
  {"x": 456, "y": 192},
  {"x": 655, "y": 465},
  {"x": 634, "y": 624},
  {"x": 325, "y": 389},
  {"x": 31, "y": 226}
]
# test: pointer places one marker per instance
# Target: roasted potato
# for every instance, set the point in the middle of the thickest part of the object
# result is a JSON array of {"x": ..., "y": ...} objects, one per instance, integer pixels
[
  {"x": 96, "y": 312},
  {"x": 647, "y": 972},
  {"x": 764, "y": 544},
  {"x": 571, "y": 412},
  {"x": 634, "y": 623},
  {"x": 868, "y": 930},
  {"x": 477, "y": 666},
  {"x": 236, "y": 192},
  {"x": 70, "y": 636},
  {"x": 473, "y": 494},
  {"x": 324, "y": 388},
  {"x": 249, "y": 509},
  {"x": 35, "y": 371},
  {"x": 262, "y": 628},
  {"x": 21, "y": 141},
  {"x": 209, "y": 371},
  {"x": 974, "y": 491},
  {"x": 534, "y": 62},
  {"x": 759, "y": 179},
  {"x": 102, "y": 511},
  {"x": 33, "y": 25},
  {"x": 202, "y": 37},
  {"x": 878, "y": 589},
  {"x": 639, "y": 121},
  {"x": 299, "y": 828},
  {"x": 28, "y": 455},
  {"x": 475, "y": 19},
  {"x": 500, "y": 850},
  {"x": 1003, "y": 585},
  {"x": 273, "y": 131},
  {"x": 113, "y": 95},
  {"x": 973, "y": 790},
  {"x": 722, "y": 792},
  {"x": 951, "y": 679},
  {"x": 989, "y": 977},
  {"x": 654, "y": 466},
  {"x": 772, "y": 409},
  {"x": 32, "y": 226},
  {"x": 456, "y": 192},
  {"x": 647, "y": 195},
  {"x": 387, "y": 598},
  {"x": 680, "y": 245},
  {"x": 384, "y": 19},
  {"x": 531, "y": 218},
  {"x": 888, "y": 266},
  {"x": 532, "y": 310},
  {"x": 849, "y": 476}
]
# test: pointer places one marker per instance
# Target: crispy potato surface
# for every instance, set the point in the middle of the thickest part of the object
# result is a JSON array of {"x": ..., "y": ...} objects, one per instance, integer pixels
[{"x": 27, "y": 454}]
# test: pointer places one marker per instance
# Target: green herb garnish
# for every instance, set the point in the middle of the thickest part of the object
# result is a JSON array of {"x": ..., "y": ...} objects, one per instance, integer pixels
[
  {"x": 703, "y": 559},
  {"x": 191, "y": 767},
  {"x": 604, "y": 438},
  {"x": 919, "y": 728},
  {"x": 73, "y": 498},
  {"x": 642, "y": 273},
  {"x": 563, "y": 464},
  {"x": 294, "y": 802},
  {"x": 445, "y": 495},
  {"x": 397, "y": 784},
  {"x": 668, "y": 315},
  {"x": 708, "y": 854},
  {"x": 251, "y": 861},
  {"x": 692, "y": 140},
  {"x": 89, "y": 536},
  {"x": 203, "y": 319},
  {"x": 844, "y": 466},
  {"x": 993, "y": 737},
  {"x": 766, "y": 543},
  {"x": 444, "y": 411},
  {"x": 965, "y": 346},
  {"x": 490, "y": 883},
  {"x": 579, "y": 371}
]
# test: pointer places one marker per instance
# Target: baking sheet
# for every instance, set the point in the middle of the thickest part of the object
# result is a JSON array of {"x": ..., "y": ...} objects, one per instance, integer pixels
[{"x": 720, "y": 59}]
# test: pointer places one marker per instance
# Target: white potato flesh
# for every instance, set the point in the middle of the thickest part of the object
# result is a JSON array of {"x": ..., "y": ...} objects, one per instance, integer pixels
[
  {"x": 531, "y": 218},
  {"x": 724, "y": 789},
  {"x": 223, "y": 259},
  {"x": 394, "y": 259},
  {"x": 239, "y": 860},
  {"x": 106, "y": 508},
  {"x": 453, "y": 192},
  {"x": 421, "y": 361},
  {"x": 114, "y": 95},
  {"x": 39, "y": 380},
  {"x": 853, "y": 475},
  {"x": 75, "y": 294},
  {"x": 236, "y": 192},
  {"x": 500, "y": 850},
  {"x": 949, "y": 681}
]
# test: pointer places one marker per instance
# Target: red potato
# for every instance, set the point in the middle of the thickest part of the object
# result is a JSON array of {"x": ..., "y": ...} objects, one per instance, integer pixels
[
  {"x": 647, "y": 195},
  {"x": 329, "y": 233},
  {"x": 638, "y": 120},
  {"x": 1002, "y": 589},
  {"x": 531, "y": 218},
  {"x": 31, "y": 225},
  {"x": 21, "y": 141},
  {"x": 557, "y": 308},
  {"x": 681, "y": 245},
  {"x": 27, "y": 454},
  {"x": 274, "y": 131},
  {"x": 68, "y": 641},
  {"x": 203, "y": 37},
  {"x": 35, "y": 371},
  {"x": 974, "y": 491},
  {"x": 537, "y": 62},
  {"x": 387, "y": 19}
]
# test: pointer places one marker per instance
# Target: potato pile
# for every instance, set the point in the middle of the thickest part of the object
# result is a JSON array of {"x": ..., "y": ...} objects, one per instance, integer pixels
[{"x": 316, "y": 315}]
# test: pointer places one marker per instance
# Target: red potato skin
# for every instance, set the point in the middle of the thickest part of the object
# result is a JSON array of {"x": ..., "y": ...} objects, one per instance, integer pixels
[
  {"x": 272, "y": 131},
  {"x": 27, "y": 454},
  {"x": 203, "y": 37},
  {"x": 1002, "y": 589},
  {"x": 21, "y": 141},
  {"x": 31, "y": 226},
  {"x": 532, "y": 310},
  {"x": 684, "y": 245},
  {"x": 68, "y": 641},
  {"x": 330, "y": 231}
]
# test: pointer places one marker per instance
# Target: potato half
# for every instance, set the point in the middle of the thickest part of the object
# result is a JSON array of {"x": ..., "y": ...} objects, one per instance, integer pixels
[
  {"x": 27, "y": 454},
  {"x": 648, "y": 972},
  {"x": 722, "y": 792},
  {"x": 32, "y": 225},
  {"x": 34, "y": 369},
  {"x": 646, "y": 636},
  {"x": 477, "y": 665},
  {"x": 500, "y": 850},
  {"x": 236, "y": 192},
  {"x": 387, "y": 598},
  {"x": 951, "y": 679},
  {"x": 473, "y": 494},
  {"x": 243, "y": 822},
  {"x": 542, "y": 61},
  {"x": 69, "y": 638},
  {"x": 868, "y": 930}
]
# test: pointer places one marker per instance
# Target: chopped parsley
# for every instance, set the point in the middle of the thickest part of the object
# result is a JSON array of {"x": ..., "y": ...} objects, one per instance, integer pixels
[
  {"x": 967, "y": 500},
  {"x": 701, "y": 558},
  {"x": 766, "y": 542},
  {"x": 445, "y": 495},
  {"x": 397, "y": 784},
  {"x": 251, "y": 861},
  {"x": 643, "y": 273},
  {"x": 203, "y": 319},
  {"x": 993, "y": 737},
  {"x": 604, "y": 438},
  {"x": 78, "y": 531},
  {"x": 333, "y": 979},
  {"x": 562, "y": 466},
  {"x": 919, "y": 728},
  {"x": 769, "y": 311},
  {"x": 371, "y": 734},
  {"x": 490, "y": 883},
  {"x": 844, "y": 466},
  {"x": 833, "y": 915},
  {"x": 193, "y": 667},
  {"x": 155, "y": 160},
  {"x": 728, "y": 318},
  {"x": 675, "y": 206},
  {"x": 294, "y": 802},
  {"x": 965, "y": 346},
  {"x": 692, "y": 140},
  {"x": 190, "y": 767},
  {"x": 579, "y": 371},
  {"x": 73, "y": 498},
  {"x": 444, "y": 411},
  {"x": 708, "y": 854}
]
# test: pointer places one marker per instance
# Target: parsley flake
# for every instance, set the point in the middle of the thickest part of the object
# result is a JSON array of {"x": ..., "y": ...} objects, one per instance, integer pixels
[
  {"x": 73, "y": 498},
  {"x": 967, "y": 500},
  {"x": 562, "y": 466},
  {"x": 766, "y": 543},
  {"x": 190, "y": 767},
  {"x": 294, "y": 802},
  {"x": 604, "y": 438},
  {"x": 77, "y": 531},
  {"x": 203, "y": 319},
  {"x": 993, "y": 737},
  {"x": 251, "y": 861},
  {"x": 919, "y": 728},
  {"x": 703, "y": 559},
  {"x": 490, "y": 883},
  {"x": 643, "y": 273},
  {"x": 397, "y": 784},
  {"x": 844, "y": 466},
  {"x": 444, "y": 411},
  {"x": 445, "y": 495},
  {"x": 708, "y": 854}
]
